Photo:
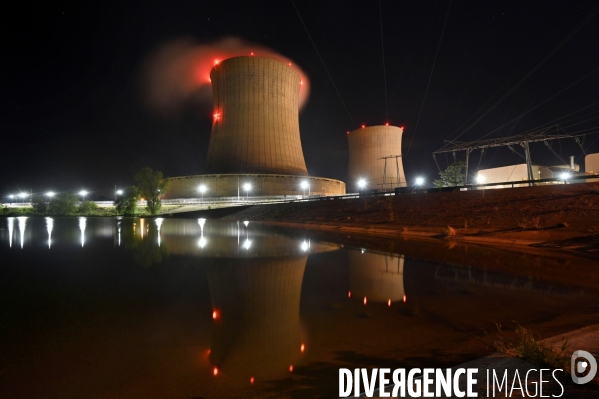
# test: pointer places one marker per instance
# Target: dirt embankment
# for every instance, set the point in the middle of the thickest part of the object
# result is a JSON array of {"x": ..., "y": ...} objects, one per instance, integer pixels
[{"x": 557, "y": 216}]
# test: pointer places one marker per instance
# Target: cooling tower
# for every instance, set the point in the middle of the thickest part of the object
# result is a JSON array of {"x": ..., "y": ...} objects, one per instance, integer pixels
[
  {"x": 373, "y": 158},
  {"x": 377, "y": 277},
  {"x": 255, "y": 118}
]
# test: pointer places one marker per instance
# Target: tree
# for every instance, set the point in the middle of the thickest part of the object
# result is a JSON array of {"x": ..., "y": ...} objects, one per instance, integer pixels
[
  {"x": 151, "y": 185},
  {"x": 453, "y": 176},
  {"x": 40, "y": 205},
  {"x": 86, "y": 207},
  {"x": 126, "y": 203},
  {"x": 63, "y": 204}
]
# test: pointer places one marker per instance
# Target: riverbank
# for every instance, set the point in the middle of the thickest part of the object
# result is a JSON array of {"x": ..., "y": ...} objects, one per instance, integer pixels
[
  {"x": 97, "y": 212},
  {"x": 564, "y": 216}
]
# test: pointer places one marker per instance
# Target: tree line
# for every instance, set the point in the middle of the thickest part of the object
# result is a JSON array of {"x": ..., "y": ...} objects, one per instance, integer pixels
[{"x": 149, "y": 185}]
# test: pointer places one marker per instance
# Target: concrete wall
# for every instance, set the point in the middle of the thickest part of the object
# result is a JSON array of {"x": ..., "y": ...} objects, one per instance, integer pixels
[
  {"x": 366, "y": 146},
  {"x": 262, "y": 185},
  {"x": 255, "y": 118}
]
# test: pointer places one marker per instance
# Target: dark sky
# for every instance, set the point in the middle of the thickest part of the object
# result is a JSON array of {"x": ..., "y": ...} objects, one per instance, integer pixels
[{"x": 74, "y": 114}]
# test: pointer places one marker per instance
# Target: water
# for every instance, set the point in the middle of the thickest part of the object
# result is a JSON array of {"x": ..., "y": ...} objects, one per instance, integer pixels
[{"x": 175, "y": 308}]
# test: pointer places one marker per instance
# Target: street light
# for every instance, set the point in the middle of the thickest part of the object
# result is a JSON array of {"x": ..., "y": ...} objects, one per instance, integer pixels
[
  {"x": 50, "y": 194},
  {"x": 565, "y": 176},
  {"x": 203, "y": 190},
  {"x": 361, "y": 184},
  {"x": 23, "y": 195},
  {"x": 11, "y": 198},
  {"x": 305, "y": 185},
  {"x": 247, "y": 187},
  {"x": 419, "y": 181},
  {"x": 480, "y": 179},
  {"x": 82, "y": 193}
]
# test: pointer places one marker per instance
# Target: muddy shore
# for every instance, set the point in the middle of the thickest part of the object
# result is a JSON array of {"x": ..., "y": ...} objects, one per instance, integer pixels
[{"x": 564, "y": 216}]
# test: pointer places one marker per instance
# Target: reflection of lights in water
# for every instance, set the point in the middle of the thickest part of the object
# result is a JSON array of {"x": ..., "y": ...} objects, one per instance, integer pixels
[
  {"x": 246, "y": 223},
  {"x": 305, "y": 246},
  {"x": 214, "y": 314},
  {"x": 142, "y": 226},
  {"x": 363, "y": 250},
  {"x": 365, "y": 301},
  {"x": 82, "y": 225},
  {"x": 349, "y": 294},
  {"x": 302, "y": 348},
  {"x": 22, "y": 223},
  {"x": 11, "y": 227},
  {"x": 405, "y": 298},
  {"x": 118, "y": 223},
  {"x": 247, "y": 244},
  {"x": 389, "y": 302},
  {"x": 158, "y": 222},
  {"x": 49, "y": 227},
  {"x": 202, "y": 242},
  {"x": 215, "y": 371}
]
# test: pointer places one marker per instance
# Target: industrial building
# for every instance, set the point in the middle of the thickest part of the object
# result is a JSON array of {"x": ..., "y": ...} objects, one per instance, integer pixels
[
  {"x": 255, "y": 147},
  {"x": 519, "y": 173},
  {"x": 375, "y": 161},
  {"x": 591, "y": 164}
]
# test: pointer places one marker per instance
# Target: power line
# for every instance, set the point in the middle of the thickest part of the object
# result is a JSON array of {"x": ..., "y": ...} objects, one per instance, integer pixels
[
  {"x": 383, "y": 51},
  {"x": 429, "y": 79},
  {"x": 323, "y": 64},
  {"x": 538, "y": 105},
  {"x": 534, "y": 69}
]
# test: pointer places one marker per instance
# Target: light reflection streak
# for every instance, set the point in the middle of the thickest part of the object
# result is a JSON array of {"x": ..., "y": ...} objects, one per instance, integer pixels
[
  {"x": 22, "y": 223},
  {"x": 202, "y": 241},
  {"x": 158, "y": 222},
  {"x": 82, "y": 225},
  {"x": 11, "y": 228},
  {"x": 49, "y": 227},
  {"x": 118, "y": 224}
]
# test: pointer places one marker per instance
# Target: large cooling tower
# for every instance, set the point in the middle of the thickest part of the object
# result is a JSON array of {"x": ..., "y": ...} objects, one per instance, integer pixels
[
  {"x": 378, "y": 277},
  {"x": 255, "y": 118},
  {"x": 373, "y": 158}
]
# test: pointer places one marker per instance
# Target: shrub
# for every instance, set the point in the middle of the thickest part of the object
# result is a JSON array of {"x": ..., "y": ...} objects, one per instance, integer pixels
[
  {"x": 64, "y": 204},
  {"x": 87, "y": 207},
  {"x": 126, "y": 204}
]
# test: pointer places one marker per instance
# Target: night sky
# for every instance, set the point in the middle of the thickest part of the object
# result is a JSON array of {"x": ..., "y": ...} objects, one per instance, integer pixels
[{"x": 75, "y": 112}]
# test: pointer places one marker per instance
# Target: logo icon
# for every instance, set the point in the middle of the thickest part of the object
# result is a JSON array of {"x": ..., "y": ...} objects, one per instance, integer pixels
[{"x": 581, "y": 362}]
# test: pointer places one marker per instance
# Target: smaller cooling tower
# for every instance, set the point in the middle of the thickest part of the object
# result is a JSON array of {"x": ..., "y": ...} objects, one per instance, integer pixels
[{"x": 375, "y": 158}]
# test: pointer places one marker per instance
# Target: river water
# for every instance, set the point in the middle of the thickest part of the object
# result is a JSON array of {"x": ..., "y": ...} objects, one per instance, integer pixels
[{"x": 188, "y": 308}]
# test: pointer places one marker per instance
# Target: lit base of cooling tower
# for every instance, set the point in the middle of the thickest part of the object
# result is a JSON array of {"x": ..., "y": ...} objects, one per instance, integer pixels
[{"x": 260, "y": 185}]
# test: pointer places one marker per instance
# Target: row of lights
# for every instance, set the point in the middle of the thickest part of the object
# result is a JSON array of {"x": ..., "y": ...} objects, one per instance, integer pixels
[
  {"x": 248, "y": 187},
  {"x": 51, "y": 194},
  {"x": 362, "y": 182}
]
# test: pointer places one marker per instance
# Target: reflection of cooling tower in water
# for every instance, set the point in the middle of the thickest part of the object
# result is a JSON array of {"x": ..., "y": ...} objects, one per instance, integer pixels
[
  {"x": 378, "y": 277},
  {"x": 256, "y": 308}
]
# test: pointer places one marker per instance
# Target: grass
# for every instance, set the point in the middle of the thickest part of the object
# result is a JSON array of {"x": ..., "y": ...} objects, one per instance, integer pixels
[{"x": 530, "y": 349}]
